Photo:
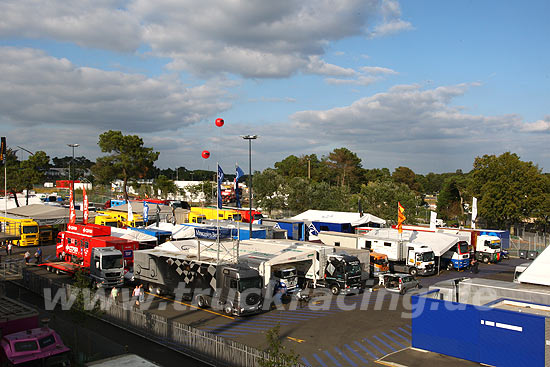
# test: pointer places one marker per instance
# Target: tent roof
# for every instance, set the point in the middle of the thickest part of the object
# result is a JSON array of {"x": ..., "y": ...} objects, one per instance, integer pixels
[
  {"x": 46, "y": 214},
  {"x": 130, "y": 234},
  {"x": 327, "y": 216},
  {"x": 539, "y": 270},
  {"x": 438, "y": 242},
  {"x": 137, "y": 207}
]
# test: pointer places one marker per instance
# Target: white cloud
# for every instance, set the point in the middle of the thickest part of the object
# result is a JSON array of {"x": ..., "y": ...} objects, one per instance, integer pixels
[
  {"x": 37, "y": 88},
  {"x": 378, "y": 70},
  {"x": 391, "y": 22},
  {"x": 318, "y": 66},
  {"x": 537, "y": 126}
]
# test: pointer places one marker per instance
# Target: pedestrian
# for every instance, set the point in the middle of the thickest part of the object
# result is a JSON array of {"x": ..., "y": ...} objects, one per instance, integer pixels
[
  {"x": 141, "y": 294},
  {"x": 9, "y": 247},
  {"x": 136, "y": 293},
  {"x": 27, "y": 257},
  {"x": 474, "y": 267},
  {"x": 114, "y": 293},
  {"x": 38, "y": 255},
  {"x": 6, "y": 244}
]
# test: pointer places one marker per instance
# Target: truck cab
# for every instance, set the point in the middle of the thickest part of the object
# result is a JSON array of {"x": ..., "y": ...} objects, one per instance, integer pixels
[
  {"x": 379, "y": 263},
  {"x": 106, "y": 267},
  {"x": 519, "y": 270},
  {"x": 487, "y": 249},
  {"x": 343, "y": 274},
  {"x": 420, "y": 259},
  {"x": 287, "y": 275},
  {"x": 457, "y": 257},
  {"x": 238, "y": 290}
]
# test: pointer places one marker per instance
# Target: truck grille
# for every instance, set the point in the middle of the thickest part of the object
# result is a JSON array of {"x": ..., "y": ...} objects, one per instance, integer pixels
[{"x": 112, "y": 274}]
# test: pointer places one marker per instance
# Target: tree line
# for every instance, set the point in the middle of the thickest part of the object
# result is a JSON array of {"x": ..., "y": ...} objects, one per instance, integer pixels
[{"x": 509, "y": 191}]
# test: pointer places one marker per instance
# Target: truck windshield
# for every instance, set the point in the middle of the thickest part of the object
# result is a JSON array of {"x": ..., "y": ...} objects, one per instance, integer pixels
[
  {"x": 353, "y": 268},
  {"x": 463, "y": 248},
  {"x": 428, "y": 256},
  {"x": 288, "y": 273},
  {"x": 30, "y": 229},
  {"x": 138, "y": 224},
  {"x": 250, "y": 283},
  {"x": 494, "y": 245},
  {"x": 111, "y": 262}
]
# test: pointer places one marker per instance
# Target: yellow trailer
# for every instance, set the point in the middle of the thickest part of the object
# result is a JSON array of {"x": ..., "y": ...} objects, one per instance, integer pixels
[{"x": 213, "y": 213}]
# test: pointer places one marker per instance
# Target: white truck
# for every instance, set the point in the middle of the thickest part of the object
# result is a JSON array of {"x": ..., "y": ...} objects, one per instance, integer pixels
[
  {"x": 487, "y": 248},
  {"x": 404, "y": 256},
  {"x": 457, "y": 257}
]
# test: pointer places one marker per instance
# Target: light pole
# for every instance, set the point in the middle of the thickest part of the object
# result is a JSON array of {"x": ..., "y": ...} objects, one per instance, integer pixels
[
  {"x": 70, "y": 168},
  {"x": 250, "y": 138}
]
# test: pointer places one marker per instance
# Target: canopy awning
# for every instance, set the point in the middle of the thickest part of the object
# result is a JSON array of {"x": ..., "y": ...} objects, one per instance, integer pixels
[
  {"x": 327, "y": 216},
  {"x": 47, "y": 215}
]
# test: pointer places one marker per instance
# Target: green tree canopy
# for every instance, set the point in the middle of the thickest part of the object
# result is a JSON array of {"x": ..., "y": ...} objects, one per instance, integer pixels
[
  {"x": 508, "y": 189},
  {"x": 380, "y": 198},
  {"x": 129, "y": 159},
  {"x": 406, "y": 176},
  {"x": 346, "y": 166}
]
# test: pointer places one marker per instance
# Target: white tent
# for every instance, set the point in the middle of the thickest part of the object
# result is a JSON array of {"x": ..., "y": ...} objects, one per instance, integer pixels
[
  {"x": 130, "y": 234},
  {"x": 438, "y": 242},
  {"x": 327, "y": 216},
  {"x": 539, "y": 270}
]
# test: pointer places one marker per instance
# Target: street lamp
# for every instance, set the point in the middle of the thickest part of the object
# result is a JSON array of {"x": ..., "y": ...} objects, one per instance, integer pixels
[
  {"x": 250, "y": 138},
  {"x": 70, "y": 168}
]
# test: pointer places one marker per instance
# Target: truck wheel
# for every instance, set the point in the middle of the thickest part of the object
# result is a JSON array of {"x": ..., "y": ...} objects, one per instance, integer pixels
[
  {"x": 57, "y": 271},
  {"x": 335, "y": 289},
  {"x": 201, "y": 302},
  {"x": 450, "y": 266},
  {"x": 413, "y": 271},
  {"x": 49, "y": 268},
  {"x": 485, "y": 259}
]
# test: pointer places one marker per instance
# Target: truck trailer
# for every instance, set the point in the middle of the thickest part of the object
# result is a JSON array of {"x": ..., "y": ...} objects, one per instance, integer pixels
[{"x": 234, "y": 288}]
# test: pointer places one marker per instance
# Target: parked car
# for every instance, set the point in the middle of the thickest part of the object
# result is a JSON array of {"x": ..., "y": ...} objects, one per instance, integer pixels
[{"x": 398, "y": 282}]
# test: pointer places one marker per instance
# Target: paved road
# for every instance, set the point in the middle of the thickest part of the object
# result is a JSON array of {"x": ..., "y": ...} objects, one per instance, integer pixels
[{"x": 331, "y": 332}]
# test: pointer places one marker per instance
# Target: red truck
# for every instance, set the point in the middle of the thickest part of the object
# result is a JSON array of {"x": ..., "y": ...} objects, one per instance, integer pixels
[
  {"x": 104, "y": 258},
  {"x": 76, "y": 243}
]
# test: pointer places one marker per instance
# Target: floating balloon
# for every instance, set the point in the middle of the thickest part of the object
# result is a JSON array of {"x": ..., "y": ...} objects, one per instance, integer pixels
[
  {"x": 205, "y": 154},
  {"x": 219, "y": 122}
]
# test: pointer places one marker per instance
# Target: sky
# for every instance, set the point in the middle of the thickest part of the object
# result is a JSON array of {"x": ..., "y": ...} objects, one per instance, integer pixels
[{"x": 425, "y": 84}]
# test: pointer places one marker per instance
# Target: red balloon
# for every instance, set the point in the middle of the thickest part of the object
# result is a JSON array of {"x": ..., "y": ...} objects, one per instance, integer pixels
[
  {"x": 205, "y": 154},
  {"x": 219, "y": 122}
]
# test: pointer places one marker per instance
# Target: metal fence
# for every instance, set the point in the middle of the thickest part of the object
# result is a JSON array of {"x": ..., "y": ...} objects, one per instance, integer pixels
[
  {"x": 529, "y": 241},
  {"x": 207, "y": 347},
  {"x": 10, "y": 270}
]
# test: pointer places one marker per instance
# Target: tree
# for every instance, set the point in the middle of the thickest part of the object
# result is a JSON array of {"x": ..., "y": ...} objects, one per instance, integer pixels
[
  {"x": 380, "y": 199},
  {"x": 449, "y": 205},
  {"x": 129, "y": 159},
  {"x": 346, "y": 166},
  {"x": 13, "y": 181},
  {"x": 406, "y": 176},
  {"x": 377, "y": 174},
  {"x": 32, "y": 171},
  {"x": 277, "y": 353},
  {"x": 165, "y": 186},
  {"x": 268, "y": 190},
  {"x": 508, "y": 189}
]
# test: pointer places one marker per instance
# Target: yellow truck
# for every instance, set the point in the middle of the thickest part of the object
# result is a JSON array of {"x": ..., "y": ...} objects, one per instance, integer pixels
[
  {"x": 25, "y": 228},
  {"x": 105, "y": 220},
  {"x": 46, "y": 234},
  {"x": 122, "y": 218},
  {"x": 213, "y": 212}
]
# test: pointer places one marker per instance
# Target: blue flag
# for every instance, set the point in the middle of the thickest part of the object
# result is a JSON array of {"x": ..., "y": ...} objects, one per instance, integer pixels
[
  {"x": 240, "y": 174},
  {"x": 145, "y": 212},
  {"x": 220, "y": 180}
]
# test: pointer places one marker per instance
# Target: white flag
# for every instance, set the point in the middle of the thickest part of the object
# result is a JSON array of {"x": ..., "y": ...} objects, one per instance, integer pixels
[
  {"x": 474, "y": 212},
  {"x": 433, "y": 217},
  {"x": 130, "y": 213}
]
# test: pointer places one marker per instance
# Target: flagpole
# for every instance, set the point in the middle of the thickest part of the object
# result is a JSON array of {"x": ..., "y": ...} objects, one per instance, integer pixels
[{"x": 218, "y": 208}]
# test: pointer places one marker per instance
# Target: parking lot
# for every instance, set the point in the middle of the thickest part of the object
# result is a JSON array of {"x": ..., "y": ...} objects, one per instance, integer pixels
[{"x": 330, "y": 331}]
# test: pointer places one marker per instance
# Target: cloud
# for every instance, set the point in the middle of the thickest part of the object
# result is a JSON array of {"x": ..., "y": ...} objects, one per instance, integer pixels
[
  {"x": 378, "y": 70},
  {"x": 320, "y": 67},
  {"x": 391, "y": 22},
  {"x": 37, "y": 88},
  {"x": 101, "y": 24},
  {"x": 537, "y": 126}
]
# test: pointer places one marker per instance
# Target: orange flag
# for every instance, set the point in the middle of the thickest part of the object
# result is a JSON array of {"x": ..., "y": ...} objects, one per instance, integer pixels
[
  {"x": 400, "y": 217},
  {"x": 85, "y": 206},
  {"x": 72, "y": 213}
]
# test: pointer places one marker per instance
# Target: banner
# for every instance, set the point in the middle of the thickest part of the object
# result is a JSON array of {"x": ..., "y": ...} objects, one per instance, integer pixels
[
  {"x": 474, "y": 212},
  {"x": 220, "y": 180},
  {"x": 72, "y": 213},
  {"x": 3, "y": 150},
  {"x": 400, "y": 217},
  {"x": 433, "y": 218},
  {"x": 130, "y": 213},
  {"x": 85, "y": 209},
  {"x": 145, "y": 212},
  {"x": 240, "y": 174}
]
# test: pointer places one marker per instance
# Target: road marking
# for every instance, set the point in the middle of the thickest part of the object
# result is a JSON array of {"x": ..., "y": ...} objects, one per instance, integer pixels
[
  {"x": 319, "y": 360},
  {"x": 366, "y": 350},
  {"x": 383, "y": 342},
  {"x": 295, "y": 339},
  {"x": 196, "y": 307},
  {"x": 332, "y": 358}
]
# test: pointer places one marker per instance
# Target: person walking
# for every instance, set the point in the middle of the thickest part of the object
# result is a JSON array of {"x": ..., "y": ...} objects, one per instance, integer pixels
[
  {"x": 474, "y": 267},
  {"x": 114, "y": 294},
  {"x": 27, "y": 257},
  {"x": 136, "y": 293},
  {"x": 9, "y": 247},
  {"x": 39, "y": 255},
  {"x": 7, "y": 244},
  {"x": 141, "y": 293}
]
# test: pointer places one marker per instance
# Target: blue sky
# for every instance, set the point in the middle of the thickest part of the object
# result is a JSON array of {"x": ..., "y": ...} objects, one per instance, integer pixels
[{"x": 425, "y": 84}]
